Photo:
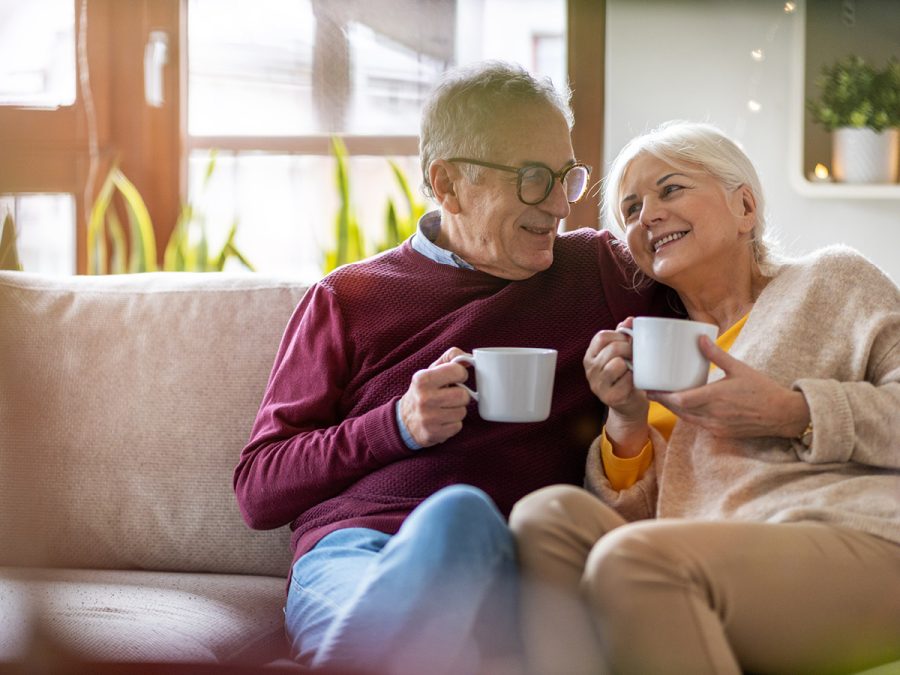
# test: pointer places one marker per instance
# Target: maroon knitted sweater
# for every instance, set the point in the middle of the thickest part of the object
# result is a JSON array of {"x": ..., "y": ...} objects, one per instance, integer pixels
[{"x": 325, "y": 451}]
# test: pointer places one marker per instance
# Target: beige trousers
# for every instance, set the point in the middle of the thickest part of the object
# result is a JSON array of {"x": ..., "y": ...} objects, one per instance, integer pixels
[{"x": 694, "y": 597}]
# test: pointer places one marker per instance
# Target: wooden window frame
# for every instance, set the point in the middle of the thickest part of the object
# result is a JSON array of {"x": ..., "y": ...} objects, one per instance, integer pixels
[
  {"x": 586, "y": 45},
  {"x": 586, "y": 21},
  {"x": 47, "y": 151}
]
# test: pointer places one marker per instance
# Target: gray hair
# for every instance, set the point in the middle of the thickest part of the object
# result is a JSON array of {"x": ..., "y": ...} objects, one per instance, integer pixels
[
  {"x": 687, "y": 145},
  {"x": 470, "y": 103}
]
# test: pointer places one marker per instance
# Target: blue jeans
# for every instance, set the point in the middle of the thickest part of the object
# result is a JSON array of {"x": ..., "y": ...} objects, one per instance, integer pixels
[{"x": 408, "y": 603}]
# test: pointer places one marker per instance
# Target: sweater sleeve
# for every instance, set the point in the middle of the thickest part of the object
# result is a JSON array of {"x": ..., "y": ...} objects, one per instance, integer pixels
[
  {"x": 855, "y": 421},
  {"x": 301, "y": 452},
  {"x": 623, "y": 472},
  {"x": 637, "y": 502},
  {"x": 856, "y": 411}
]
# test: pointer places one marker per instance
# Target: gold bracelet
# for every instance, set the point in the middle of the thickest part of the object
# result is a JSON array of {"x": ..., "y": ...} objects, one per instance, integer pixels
[{"x": 805, "y": 438}]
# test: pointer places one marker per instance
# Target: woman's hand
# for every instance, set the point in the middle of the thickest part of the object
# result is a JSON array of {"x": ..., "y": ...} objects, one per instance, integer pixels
[
  {"x": 743, "y": 404},
  {"x": 611, "y": 381}
]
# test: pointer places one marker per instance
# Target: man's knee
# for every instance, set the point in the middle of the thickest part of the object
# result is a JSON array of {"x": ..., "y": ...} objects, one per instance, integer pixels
[
  {"x": 462, "y": 517},
  {"x": 461, "y": 504}
]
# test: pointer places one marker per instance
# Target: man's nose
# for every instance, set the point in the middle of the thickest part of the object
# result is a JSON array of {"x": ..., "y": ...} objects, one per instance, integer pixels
[{"x": 557, "y": 202}]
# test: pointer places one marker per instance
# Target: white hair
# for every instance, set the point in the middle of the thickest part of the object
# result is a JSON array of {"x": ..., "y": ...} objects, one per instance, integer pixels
[
  {"x": 687, "y": 145},
  {"x": 468, "y": 106}
]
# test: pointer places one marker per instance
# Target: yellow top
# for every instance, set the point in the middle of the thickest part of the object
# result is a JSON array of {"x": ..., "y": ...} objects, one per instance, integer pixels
[{"x": 625, "y": 472}]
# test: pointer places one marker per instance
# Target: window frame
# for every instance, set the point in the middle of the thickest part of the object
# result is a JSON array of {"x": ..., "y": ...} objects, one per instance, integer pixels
[
  {"x": 49, "y": 151},
  {"x": 586, "y": 20}
]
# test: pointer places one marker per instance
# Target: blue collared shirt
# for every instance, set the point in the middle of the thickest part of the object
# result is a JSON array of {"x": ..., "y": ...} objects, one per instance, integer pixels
[
  {"x": 423, "y": 242},
  {"x": 425, "y": 236}
]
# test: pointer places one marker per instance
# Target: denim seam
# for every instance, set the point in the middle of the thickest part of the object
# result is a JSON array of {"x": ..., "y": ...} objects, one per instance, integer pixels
[{"x": 319, "y": 596}]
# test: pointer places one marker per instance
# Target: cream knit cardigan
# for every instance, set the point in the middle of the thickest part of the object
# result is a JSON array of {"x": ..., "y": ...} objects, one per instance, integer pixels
[{"x": 829, "y": 325}]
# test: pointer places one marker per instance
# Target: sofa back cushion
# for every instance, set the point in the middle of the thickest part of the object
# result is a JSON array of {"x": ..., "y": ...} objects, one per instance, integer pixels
[{"x": 124, "y": 404}]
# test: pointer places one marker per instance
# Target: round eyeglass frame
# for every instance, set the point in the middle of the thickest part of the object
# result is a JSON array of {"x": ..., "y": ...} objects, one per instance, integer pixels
[{"x": 520, "y": 172}]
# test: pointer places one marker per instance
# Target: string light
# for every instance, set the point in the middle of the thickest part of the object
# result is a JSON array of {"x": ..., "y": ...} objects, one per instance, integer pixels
[{"x": 758, "y": 55}]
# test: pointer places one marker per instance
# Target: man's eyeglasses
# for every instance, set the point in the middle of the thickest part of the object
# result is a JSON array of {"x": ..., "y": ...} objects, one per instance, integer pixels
[{"x": 534, "y": 182}]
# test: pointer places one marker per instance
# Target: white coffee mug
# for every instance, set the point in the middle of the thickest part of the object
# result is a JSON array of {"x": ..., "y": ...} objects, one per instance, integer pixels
[
  {"x": 665, "y": 353},
  {"x": 515, "y": 384}
]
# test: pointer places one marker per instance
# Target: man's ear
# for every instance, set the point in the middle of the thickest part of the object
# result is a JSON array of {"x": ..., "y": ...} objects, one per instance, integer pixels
[
  {"x": 445, "y": 177},
  {"x": 745, "y": 207}
]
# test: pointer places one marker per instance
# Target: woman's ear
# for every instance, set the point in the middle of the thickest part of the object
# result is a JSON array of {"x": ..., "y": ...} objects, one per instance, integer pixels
[
  {"x": 444, "y": 177},
  {"x": 745, "y": 207}
]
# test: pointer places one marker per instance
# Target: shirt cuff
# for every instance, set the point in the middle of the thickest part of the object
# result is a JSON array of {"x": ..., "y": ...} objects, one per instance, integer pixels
[
  {"x": 623, "y": 472},
  {"x": 404, "y": 432}
]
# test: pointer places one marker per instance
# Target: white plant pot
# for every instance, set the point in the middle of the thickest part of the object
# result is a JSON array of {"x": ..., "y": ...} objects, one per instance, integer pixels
[{"x": 865, "y": 156}]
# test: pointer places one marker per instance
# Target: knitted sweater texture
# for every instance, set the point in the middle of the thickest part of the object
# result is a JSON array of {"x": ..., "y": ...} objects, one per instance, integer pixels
[
  {"x": 325, "y": 451},
  {"x": 829, "y": 326}
]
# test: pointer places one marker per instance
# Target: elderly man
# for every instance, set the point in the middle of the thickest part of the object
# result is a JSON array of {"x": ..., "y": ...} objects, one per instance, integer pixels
[{"x": 395, "y": 489}]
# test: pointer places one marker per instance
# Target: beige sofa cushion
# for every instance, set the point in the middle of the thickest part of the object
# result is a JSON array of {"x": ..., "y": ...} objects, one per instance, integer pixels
[
  {"x": 124, "y": 404},
  {"x": 142, "y": 616}
]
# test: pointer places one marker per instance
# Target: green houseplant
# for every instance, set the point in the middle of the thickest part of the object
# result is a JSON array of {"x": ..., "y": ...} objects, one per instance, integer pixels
[
  {"x": 9, "y": 255},
  {"x": 187, "y": 250},
  {"x": 350, "y": 244},
  {"x": 859, "y": 104}
]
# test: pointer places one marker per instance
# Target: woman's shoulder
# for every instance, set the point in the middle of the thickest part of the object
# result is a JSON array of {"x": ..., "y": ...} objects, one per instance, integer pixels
[
  {"x": 829, "y": 283},
  {"x": 836, "y": 265}
]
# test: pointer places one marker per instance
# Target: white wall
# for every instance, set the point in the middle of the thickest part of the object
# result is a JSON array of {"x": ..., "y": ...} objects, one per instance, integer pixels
[{"x": 691, "y": 60}]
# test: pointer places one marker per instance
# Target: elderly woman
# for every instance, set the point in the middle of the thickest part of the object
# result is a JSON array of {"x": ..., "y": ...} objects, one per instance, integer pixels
[{"x": 753, "y": 523}]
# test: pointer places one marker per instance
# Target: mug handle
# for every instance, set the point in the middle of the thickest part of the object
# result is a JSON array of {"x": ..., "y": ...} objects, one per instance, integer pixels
[
  {"x": 466, "y": 360},
  {"x": 629, "y": 332}
]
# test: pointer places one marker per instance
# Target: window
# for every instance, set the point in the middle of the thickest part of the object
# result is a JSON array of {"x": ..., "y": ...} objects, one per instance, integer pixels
[
  {"x": 71, "y": 104},
  {"x": 45, "y": 231},
  {"x": 37, "y": 71},
  {"x": 37, "y": 53},
  {"x": 268, "y": 86}
]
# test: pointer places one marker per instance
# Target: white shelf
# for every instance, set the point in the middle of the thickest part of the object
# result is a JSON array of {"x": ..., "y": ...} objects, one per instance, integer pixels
[
  {"x": 801, "y": 184},
  {"x": 845, "y": 190}
]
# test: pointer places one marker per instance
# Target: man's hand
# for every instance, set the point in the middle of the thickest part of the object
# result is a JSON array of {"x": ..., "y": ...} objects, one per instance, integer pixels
[
  {"x": 745, "y": 403},
  {"x": 433, "y": 408}
]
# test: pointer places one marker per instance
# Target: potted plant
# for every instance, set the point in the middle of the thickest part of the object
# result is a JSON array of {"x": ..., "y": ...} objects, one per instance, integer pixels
[{"x": 860, "y": 104}]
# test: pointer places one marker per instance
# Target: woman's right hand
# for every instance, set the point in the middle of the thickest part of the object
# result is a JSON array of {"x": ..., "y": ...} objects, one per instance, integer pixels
[{"x": 611, "y": 381}]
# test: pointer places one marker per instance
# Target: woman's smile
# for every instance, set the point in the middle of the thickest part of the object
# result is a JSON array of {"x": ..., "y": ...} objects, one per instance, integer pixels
[{"x": 659, "y": 242}]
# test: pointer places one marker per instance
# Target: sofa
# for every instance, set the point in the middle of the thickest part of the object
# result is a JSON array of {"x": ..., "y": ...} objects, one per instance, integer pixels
[{"x": 124, "y": 404}]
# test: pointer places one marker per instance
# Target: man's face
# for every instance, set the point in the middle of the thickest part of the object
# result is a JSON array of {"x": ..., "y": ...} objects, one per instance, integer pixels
[{"x": 494, "y": 231}]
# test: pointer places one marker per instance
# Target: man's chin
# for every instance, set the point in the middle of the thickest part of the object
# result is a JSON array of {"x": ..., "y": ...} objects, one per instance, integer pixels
[{"x": 540, "y": 263}]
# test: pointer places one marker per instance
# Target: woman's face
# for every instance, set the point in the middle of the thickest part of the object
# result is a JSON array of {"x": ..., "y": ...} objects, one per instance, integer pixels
[{"x": 680, "y": 222}]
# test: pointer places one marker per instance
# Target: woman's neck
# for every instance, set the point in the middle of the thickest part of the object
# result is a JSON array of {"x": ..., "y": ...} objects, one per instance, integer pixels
[{"x": 723, "y": 299}]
